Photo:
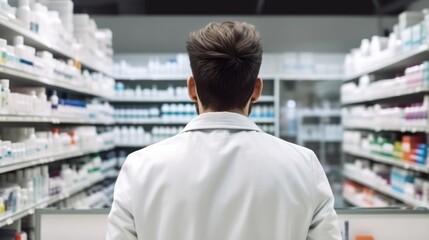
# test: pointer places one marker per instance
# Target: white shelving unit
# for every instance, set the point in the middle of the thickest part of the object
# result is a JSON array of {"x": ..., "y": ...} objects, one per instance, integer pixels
[
  {"x": 152, "y": 121},
  {"x": 263, "y": 99},
  {"x": 10, "y": 218},
  {"x": 385, "y": 126},
  {"x": 401, "y": 93},
  {"x": 30, "y": 162},
  {"x": 54, "y": 120},
  {"x": 384, "y": 159},
  {"x": 383, "y": 188},
  {"x": 29, "y": 78},
  {"x": 355, "y": 202},
  {"x": 174, "y": 79},
  {"x": 386, "y": 63},
  {"x": 390, "y": 62},
  {"x": 312, "y": 77},
  {"x": 322, "y": 137},
  {"x": 9, "y": 29}
]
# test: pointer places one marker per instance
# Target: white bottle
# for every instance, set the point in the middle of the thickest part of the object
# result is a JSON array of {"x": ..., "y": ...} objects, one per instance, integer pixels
[
  {"x": 23, "y": 13},
  {"x": 2, "y": 107},
  {"x": 12, "y": 60},
  {"x": 35, "y": 17},
  {"x": 29, "y": 185},
  {"x": 20, "y": 51},
  {"x": 45, "y": 181},
  {"x": 54, "y": 100},
  {"x": 3, "y": 51},
  {"x": 5, "y": 93},
  {"x": 24, "y": 198}
]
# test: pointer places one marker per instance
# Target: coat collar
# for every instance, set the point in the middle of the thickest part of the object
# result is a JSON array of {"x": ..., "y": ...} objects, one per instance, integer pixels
[{"x": 221, "y": 120}]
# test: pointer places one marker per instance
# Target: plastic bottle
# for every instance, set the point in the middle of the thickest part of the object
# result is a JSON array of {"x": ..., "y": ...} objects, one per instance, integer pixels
[
  {"x": 5, "y": 95},
  {"x": 45, "y": 181},
  {"x": 56, "y": 139},
  {"x": 23, "y": 13},
  {"x": 29, "y": 185},
  {"x": 36, "y": 18},
  {"x": 3, "y": 51},
  {"x": 20, "y": 51},
  {"x": 54, "y": 100},
  {"x": 12, "y": 60},
  {"x": 2, "y": 206}
]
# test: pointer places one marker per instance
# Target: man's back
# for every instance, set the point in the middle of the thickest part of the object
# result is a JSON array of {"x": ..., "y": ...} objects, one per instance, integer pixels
[{"x": 223, "y": 178}]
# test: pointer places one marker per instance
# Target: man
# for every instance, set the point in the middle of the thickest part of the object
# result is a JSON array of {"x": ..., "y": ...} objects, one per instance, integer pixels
[{"x": 222, "y": 178}]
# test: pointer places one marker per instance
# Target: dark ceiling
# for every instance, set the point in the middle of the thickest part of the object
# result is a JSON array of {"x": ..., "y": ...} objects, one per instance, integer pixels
[{"x": 242, "y": 7}]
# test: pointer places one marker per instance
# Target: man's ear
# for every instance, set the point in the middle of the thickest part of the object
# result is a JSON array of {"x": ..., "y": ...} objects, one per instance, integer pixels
[
  {"x": 192, "y": 89},
  {"x": 257, "y": 90}
]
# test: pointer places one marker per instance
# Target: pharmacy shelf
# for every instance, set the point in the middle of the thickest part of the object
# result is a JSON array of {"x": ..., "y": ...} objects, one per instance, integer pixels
[
  {"x": 155, "y": 77},
  {"x": 169, "y": 99},
  {"x": 403, "y": 93},
  {"x": 382, "y": 188},
  {"x": 30, "y": 162},
  {"x": 319, "y": 113},
  {"x": 153, "y": 121},
  {"x": 54, "y": 120},
  {"x": 311, "y": 77},
  {"x": 392, "y": 63},
  {"x": 33, "y": 79},
  {"x": 12, "y": 217},
  {"x": 160, "y": 121},
  {"x": 148, "y": 100},
  {"x": 386, "y": 126},
  {"x": 384, "y": 159},
  {"x": 355, "y": 202},
  {"x": 10, "y": 29},
  {"x": 172, "y": 77}
]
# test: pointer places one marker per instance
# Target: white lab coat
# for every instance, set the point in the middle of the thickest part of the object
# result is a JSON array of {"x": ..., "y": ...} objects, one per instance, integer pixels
[{"x": 222, "y": 178}]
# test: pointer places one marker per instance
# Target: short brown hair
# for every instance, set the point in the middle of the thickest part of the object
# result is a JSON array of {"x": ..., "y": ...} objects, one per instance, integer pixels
[{"x": 225, "y": 60}]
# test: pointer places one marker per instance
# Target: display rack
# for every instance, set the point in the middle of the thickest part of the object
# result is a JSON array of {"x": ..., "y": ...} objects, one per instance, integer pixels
[
  {"x": 262, "y": 99},
  {"x": 148, "y": 80},
  {"x": 392, "y": 62},
  {"x": 55, "y": 120},
  {"x": 386, "y": 64},
  {"x": 311, "y": 77},
  {"x": 319, "y": 130},
  {"x": 388, "y": 96},
  {"x": 30, "y": 162},
  {"x": 386, "y": 126},
  {"x": 383, "y": 188},
  {"x": 11, "y": 29},
  {"x": 384, "y": 159},
  {"x": 33, "y": 79},
  {"x": 12, "y": 217},
  {"x": 355, "y": 202}
]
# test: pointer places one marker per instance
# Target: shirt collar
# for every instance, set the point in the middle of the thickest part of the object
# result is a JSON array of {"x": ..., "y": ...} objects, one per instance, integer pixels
[{"x": 221, "y": 120}]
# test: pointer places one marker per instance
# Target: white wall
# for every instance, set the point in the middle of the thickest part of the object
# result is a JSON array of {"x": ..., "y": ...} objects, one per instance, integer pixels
[{"x": 156, "y": 34}]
